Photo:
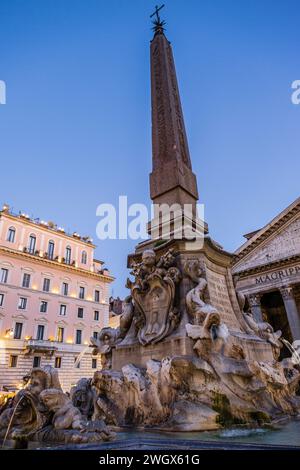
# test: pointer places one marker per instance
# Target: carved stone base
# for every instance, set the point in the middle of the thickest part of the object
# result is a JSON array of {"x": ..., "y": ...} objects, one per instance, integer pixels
[
  {"x": 254, "y": 348},
  {"x": 139, "y": 355}
]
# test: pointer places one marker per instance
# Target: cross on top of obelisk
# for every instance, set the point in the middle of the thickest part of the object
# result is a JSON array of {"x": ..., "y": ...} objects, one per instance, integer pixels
[{"x": 158, "y": 23}]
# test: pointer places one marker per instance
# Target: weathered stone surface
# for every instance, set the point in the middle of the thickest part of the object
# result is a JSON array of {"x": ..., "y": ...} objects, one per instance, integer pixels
[
  {"x": 189, "y": 416},
  {"x": 42, "y": 411}
]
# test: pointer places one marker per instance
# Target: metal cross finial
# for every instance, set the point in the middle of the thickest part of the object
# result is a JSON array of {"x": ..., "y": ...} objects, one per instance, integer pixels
[
  {"x": 158, "y": 24},
  {"x": 157, "y": 9}
]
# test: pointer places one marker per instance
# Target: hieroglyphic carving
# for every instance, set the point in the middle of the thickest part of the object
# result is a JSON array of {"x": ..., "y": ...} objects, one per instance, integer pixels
[
  {"x": 180, "y": 131},
  {"x": 158, "y": 105},
  {"x": 219, "y": 298}
]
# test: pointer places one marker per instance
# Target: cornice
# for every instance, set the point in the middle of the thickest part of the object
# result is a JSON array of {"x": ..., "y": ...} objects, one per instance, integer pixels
[
  {"x": 46, "y": 229},
  {"x": 55, "y": 264},
  {"x": 282, "y": 263}
]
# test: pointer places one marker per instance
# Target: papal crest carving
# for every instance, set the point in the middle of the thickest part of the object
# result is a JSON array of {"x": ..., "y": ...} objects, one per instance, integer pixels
[
  {"x": 153, "y": 293},
  {"x": 156, "y": 306}
]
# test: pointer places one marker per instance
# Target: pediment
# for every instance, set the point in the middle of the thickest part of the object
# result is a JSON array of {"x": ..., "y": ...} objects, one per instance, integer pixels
[
  {"x": 281, "y": 244},
  {"x": 41, "y": 320},
  {"x": 61, "y": 323},
  {"x": 20, "y": 316},
  {"x": 79, "y": 325}
]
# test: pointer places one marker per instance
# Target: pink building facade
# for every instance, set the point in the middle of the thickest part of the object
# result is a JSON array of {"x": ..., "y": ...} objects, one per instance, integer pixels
[{"x": 53, "y": 297}]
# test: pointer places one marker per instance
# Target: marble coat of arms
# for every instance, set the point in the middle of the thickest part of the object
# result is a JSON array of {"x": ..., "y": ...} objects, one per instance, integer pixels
[{"x": 153, "y": 292}]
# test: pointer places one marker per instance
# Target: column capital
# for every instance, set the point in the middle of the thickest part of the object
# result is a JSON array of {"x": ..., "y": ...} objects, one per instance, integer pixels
[
  {"x": 254, "y": 300},
  {"x": 286, "y": 292}
]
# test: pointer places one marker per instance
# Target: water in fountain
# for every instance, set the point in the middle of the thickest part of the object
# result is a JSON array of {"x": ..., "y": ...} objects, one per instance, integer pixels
[
  {"x": 83, "y": 352},
  {"x": 11, "y": 420},
  {"x": 295, "y": 355}
]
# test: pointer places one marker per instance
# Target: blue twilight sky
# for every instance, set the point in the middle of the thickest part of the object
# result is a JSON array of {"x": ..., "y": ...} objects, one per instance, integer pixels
[{"x": 75, "y": 131}]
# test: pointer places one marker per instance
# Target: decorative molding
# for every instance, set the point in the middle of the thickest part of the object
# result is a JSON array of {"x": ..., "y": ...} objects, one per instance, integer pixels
[
  {"x": 80, "y": 325},
  {"x": 56, "y": 264},
  {"x": 61, "y": 323},
  {"x": 19, "y": 316},
  {"x": 284, "y": 262},
  {"x": 287, "y": 292},
  {"x": 41, "y": 320},
  {"x": 287, "y": 215}
]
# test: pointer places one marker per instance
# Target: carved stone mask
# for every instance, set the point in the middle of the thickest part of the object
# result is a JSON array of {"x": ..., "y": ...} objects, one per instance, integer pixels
[{"x": 148, "y": 258}]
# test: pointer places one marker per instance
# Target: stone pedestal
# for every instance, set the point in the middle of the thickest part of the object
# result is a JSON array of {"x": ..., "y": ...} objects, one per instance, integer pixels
[{"x": 139, "y": 355}]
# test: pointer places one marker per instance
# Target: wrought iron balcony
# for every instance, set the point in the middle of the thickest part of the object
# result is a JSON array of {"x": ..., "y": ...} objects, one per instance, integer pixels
[{"x": 38, "y": 345}]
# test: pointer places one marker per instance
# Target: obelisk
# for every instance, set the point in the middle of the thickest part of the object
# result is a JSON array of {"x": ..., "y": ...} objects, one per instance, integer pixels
[{"x": 172, "y": 179}]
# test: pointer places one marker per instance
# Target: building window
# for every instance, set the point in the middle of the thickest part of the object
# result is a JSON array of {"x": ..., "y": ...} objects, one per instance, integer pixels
[
  {"x": 95, "y": 334},
  {"x": 26, "y": 280},
  {"x": 81, "y": 292},
  {"x": 68, "y": 255},
  {"x": 65, "y": 288},
  {"x": 76, "y": 363},
  {"x": 96, "y": 315},
  {"x": 97, "y": 296},
  {"x": 80, "y": 312},
  {"x": 13, "y": 361},
  {"x": 40, "y": 332},
  {"x": 31, "y": 244},
  {"x": 1, "y": 300},
  {"x": 63, "y": 310},
  {"x": 94, "y": 363},
  {"x": 36, "y": 361},
  {"x": 4, "y": 275},
  {"x": 11, "y": 235},
  {"x": 57, "y": 363},
  {"x": 22, "y": 303},
  {"x": 46, "y": 285},
  {"x": 50, "y": 251},
  {"x": 84, "y": 257},
  {"x": 60, "y": 334},
  {"x": 18, "y": 330},
  {"x": 43, "y": 306},
  {"x": 78, "y": 336}
]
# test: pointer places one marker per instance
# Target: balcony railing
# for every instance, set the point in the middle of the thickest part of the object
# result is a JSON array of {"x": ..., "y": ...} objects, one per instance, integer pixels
[{"x": 39, "y": 345}]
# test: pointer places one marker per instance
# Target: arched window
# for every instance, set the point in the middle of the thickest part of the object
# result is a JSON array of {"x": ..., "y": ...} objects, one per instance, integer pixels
[
  {"x": 84, "y": 257},
  {"x": 50, "y": 249},
  {"x": 31, "y": 243},
  {"x": 68, "y": 254},
  {"x": 11, "y": 234}
]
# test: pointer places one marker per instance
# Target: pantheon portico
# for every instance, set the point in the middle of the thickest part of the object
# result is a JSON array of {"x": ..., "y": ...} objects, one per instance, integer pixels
[{"x": 266, "y": 268}]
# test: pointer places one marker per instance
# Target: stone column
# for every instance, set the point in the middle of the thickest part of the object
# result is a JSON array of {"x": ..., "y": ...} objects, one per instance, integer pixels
[
  {"x": 255, "y": 305},
  {"x": 292, "y": 311}
]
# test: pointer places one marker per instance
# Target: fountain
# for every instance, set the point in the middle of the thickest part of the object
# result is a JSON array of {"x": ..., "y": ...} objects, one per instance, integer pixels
[
  {"x": 42, "y": 412},
  {"x": 187, "y": 355}
]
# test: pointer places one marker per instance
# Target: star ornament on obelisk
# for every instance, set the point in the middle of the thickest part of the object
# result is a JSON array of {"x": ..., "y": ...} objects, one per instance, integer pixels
[{"x": 159, "y": 24}]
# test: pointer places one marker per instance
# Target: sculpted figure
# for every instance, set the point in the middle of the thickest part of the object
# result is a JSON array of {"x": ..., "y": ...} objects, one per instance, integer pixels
[
  {"x": 262, "y": 329},
  {"x": 42, "y": 378},
  {"x": 28, "y": 412},
  {"x": 103, "y": 345},
  {"x": 66, "y": 415},
  {"x": 198, "y": 309},
  {"x": 265, "y": 331},
  {"x": 109, "y": 337},
  {"x": 126, "y": 317},
  {"x": 82, "y": 396}
]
